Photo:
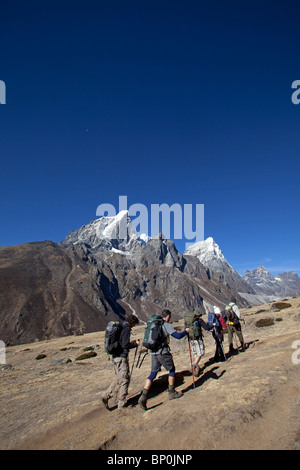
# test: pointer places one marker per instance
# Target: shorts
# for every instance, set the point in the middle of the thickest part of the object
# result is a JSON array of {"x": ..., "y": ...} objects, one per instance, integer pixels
[
  {"x": 197, "y": 347},
  {"x": 165, "y": 360}
]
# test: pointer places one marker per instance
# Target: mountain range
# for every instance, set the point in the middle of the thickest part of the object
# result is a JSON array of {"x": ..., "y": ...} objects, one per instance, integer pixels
[
  {"x": 283, "y": 284},
  {"x": 105, "y": 270}
]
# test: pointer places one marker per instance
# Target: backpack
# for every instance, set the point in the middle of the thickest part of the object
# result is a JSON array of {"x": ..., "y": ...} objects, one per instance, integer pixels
[
  {"x": 212, "y": 318},
  {"x": 231, "y": 315},
  {"x": 154, "y": 337},
  {"x": 112, "y": 336},
  {"x": 190, "y": 321}
]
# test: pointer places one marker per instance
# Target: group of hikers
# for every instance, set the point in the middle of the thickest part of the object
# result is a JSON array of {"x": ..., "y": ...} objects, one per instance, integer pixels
[{"x": 156, "y": 341}]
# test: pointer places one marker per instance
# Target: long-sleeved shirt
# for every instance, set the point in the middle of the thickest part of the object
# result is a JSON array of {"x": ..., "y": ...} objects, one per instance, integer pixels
[
  {"x": 169, "y": 330},
  {"x": 204, "y": 325},
  {"x": 124, "y": 342}
]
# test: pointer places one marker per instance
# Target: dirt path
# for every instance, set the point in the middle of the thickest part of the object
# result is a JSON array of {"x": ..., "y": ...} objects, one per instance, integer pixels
[{"x": 249, "y": 402}]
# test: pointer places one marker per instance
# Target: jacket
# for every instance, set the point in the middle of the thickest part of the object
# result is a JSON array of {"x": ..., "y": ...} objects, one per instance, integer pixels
[{"x": 124, "y": 342}]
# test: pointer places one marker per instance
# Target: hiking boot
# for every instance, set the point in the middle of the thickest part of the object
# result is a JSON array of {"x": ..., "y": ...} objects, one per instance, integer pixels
[
  {"x": 122, "y": 405},
  {"x": 174, "y": 394},
  {"x": 105, "y": 401},
  {"x": 143, "y": 400},
  {"x": 197, "y": 370}
]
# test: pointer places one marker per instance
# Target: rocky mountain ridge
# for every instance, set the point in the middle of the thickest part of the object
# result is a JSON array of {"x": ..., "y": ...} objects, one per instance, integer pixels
[
  {"x": 210, "y": 255},
  {"x": 103, "y": 271},
  {"x": 284, "y": 284}
]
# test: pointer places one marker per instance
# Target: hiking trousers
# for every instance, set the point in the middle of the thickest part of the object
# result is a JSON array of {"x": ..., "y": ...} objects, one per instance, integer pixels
[
  {"x": 119, "y": 386},
  {"x": 219, "y": 354},
  {"x": 235, "y": 329}
]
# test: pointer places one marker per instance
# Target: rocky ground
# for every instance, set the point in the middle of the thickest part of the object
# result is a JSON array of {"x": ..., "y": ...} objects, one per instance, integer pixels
[{"x": 249, "y": 402}]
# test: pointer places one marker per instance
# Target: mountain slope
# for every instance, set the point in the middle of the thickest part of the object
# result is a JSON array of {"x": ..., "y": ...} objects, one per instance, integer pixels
[
  {"x": 48, "y": 291},
  {"x": 210, "y": 255},
  {"x": 290, "y": 280}
]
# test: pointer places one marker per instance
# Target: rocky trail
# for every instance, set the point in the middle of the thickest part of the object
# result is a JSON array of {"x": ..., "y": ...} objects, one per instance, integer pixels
[{"x": 251, "y": 401}]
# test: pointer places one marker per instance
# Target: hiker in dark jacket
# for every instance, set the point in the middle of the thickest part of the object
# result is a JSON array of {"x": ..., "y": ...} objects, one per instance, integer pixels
[
  {"x": 232, "y": 318},
  {"x": 163, "y": 357},
  {"x": 119, "y": 385}
]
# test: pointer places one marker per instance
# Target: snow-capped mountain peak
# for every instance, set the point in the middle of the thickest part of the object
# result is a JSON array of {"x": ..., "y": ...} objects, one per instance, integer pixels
[
  {"x": 206, "y": 251},
  {"x": 106, "y": 233},
  {"x": 210, "y": 255},
  {"x": 144, "y": 238}
]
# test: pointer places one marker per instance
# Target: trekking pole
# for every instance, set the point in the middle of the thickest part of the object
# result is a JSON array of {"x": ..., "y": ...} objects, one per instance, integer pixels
[
  {"x": 243, "y": 326},
  {"x": 140, "y": 362},
  {"x": 191, "y": 361},
  {"x": 139, "y": 358},
  {"x": 133, "y": 361}
]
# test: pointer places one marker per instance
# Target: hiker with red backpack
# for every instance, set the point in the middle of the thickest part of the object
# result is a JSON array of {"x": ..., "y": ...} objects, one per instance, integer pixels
[
  {"x": 156, "y": 339},
  {"x": 218, "y": 325}
]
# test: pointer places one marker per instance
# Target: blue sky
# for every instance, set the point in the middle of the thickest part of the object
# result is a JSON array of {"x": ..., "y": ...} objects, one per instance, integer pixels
[{"x": 165, "y": 102}]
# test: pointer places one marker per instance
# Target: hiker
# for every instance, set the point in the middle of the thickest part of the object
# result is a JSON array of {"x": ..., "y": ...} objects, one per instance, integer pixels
[
  {"x": 196, "y": 323},
  {"x": 234, "y": 307},
  {"x": 163, "y": 357},
  {"x": 119, "y": 385},
  {"x": 232, "y": 317},
  {"x": 218, "y": 326}
]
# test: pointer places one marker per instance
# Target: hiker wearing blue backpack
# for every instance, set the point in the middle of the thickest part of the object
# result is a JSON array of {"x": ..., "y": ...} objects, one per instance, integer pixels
[
  {"x": 119, "y": 350},
  {"x": 161, "y": 355}
]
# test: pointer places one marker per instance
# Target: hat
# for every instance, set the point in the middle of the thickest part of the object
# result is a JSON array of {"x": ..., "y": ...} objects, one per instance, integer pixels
[
  {"x": 217, "y": 310},
  {"x": 198, "y": 312}
]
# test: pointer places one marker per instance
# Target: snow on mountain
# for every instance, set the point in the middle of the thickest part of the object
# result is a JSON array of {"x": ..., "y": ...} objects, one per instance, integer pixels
[
  {"x": 145, "y": 238},
  {"x": 291, "y": 280},
  {"x": 263, "y": 282},
  {"x": 107, "y": 233},
  {"x": 210, "y": 255},
  {"x": 118, "y": 235}
]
